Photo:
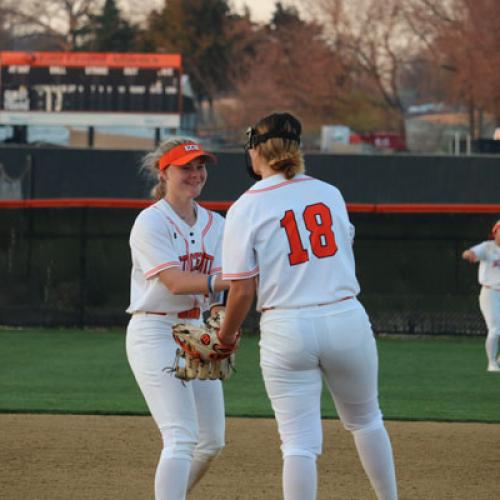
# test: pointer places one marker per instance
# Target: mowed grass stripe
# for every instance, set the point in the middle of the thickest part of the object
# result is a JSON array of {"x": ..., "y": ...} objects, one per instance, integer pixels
[{"x": 86, "y": 371}]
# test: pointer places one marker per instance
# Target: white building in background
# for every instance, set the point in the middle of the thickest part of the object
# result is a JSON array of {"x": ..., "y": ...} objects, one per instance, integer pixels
[{"x": 332, "y": 135}]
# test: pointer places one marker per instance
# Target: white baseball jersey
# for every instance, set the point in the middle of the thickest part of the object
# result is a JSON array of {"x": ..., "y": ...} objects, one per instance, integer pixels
[
  {"x": 296, "y": 236},
  {"x": 488, "y": 253},
  {"x": 159, "y": 240}
]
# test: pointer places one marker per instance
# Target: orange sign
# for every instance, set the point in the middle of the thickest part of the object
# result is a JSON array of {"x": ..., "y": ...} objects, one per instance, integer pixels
[{"x": 82, "y": 59}]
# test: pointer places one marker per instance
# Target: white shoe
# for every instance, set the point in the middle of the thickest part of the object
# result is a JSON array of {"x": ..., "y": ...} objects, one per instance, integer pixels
[{"x": 493, "y": 368}]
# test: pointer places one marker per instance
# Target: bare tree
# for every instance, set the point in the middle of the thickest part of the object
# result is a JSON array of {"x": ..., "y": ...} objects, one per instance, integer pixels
[
  {"x": 5, "y": 30},
  {"x": 291, "y": 69},
  {"x": 290, "y": 64},
  {"x": 463, "y": 37},
  {"x": 60, "y": 20},
  {"x": 374, "y": 35}
]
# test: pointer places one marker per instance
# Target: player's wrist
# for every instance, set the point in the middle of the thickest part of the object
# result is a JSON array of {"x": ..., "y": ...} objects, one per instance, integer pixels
[
  {"x": 211, "y": 283},
  {"x": 228, "y": 340}
]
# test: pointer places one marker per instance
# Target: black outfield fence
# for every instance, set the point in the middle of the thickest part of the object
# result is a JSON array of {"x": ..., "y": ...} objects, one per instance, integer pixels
[
  {"x": 64, "y": 256},
  {"x": 39, "y": 173},
  {"x": 71, "y": 266}
]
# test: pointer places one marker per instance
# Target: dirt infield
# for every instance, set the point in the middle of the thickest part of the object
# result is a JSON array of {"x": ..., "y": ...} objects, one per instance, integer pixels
[{"x": 101, "y": 457}]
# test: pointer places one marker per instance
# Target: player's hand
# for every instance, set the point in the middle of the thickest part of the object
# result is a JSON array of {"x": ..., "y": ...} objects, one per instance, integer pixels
[{"x": 469, "y": 256}]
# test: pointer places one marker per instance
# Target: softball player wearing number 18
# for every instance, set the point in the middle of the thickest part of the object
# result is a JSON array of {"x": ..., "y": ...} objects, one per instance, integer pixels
[{"x": 290, "y": 238}]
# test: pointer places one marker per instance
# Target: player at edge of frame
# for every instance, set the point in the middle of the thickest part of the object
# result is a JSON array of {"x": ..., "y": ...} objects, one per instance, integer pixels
[{"x": 487, "y": 254}]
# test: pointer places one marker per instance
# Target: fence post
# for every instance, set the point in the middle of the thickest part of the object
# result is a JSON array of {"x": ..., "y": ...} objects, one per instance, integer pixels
[
  {"x": 90, "y": 137},
  {"x": 83, "y": 267},
  {"x": 456, "y": 141}
]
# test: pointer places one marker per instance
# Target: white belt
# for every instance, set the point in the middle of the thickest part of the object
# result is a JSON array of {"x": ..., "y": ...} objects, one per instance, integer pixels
[{"x": 264, "y": 309}]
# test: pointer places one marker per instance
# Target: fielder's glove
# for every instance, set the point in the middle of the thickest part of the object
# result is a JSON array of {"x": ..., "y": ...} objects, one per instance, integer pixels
[
  {"x": 202, "y": 355},
  {"x": 188, "y": 368}
]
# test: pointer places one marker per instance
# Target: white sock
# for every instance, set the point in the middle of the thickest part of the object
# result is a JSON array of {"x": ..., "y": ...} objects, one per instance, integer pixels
[
  {"x": 375, "y": 453},
  {"x": 199, "y": 466},
  {"x": 171, "y": 478},
  {"x": 299, "y": 478},
  {"x": 491, "y": 348}
]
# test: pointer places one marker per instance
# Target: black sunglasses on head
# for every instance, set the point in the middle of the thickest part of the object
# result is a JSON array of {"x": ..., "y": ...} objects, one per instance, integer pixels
[{"x": 255, "y": 139}]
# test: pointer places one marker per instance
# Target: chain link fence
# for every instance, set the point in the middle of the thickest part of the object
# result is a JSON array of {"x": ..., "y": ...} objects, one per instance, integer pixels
[{"x": 71, "y": 267}]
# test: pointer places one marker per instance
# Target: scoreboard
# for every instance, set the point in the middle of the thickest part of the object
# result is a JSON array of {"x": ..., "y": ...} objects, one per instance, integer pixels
[{"x": 90, "y": 89}]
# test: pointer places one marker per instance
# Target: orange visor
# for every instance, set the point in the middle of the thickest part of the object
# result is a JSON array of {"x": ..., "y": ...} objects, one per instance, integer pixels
[{"x": 182, "y": 154}]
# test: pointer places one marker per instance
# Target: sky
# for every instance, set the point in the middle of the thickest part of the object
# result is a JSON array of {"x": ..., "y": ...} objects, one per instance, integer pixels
[{"x": 261, "y": 10}]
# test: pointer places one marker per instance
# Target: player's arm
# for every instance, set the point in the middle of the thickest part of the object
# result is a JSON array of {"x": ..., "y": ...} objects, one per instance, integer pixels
[
  {"x": 239, "y": 302},
  {"x": 470, "y": 256},
  {"x": 187, "y": 282}
]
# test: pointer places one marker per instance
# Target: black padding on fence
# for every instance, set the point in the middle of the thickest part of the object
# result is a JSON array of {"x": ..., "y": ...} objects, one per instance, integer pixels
[
  {"x": 71, "y": 266},
  {"x": 88, "y": 173}
]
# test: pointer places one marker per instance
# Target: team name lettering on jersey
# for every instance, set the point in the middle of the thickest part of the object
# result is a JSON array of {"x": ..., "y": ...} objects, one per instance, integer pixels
[{"x": 198, "y": 261}]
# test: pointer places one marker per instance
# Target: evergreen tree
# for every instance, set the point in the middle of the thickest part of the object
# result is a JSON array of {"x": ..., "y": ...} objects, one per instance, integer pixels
[
  {"x": 196, "y": 29},
  {"x": 108, "y": 31},
  {"x": 285, "y": 16}
]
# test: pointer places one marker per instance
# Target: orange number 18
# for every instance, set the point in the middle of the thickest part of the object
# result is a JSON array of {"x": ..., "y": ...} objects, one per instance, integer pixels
[{"x": 318, "y": 221}]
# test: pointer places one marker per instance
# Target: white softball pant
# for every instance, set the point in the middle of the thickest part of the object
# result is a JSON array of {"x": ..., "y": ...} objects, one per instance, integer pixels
[
  {"x": 298, "y": 347},
  {"x": 190, "y": 415},
  {"x": 489, "y": 303}
]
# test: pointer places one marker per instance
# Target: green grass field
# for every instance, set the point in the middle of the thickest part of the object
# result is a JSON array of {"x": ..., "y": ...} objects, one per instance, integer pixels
[{"x": 86, "y": 371}]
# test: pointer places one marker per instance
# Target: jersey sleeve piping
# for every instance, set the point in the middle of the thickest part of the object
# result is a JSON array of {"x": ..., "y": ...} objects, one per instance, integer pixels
[
  {"x": 206, "y": 229},
  {"x": 208, "y": 224},
  {"x": 241, "y": 276},
  {"x": 161, "y": 267}
]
